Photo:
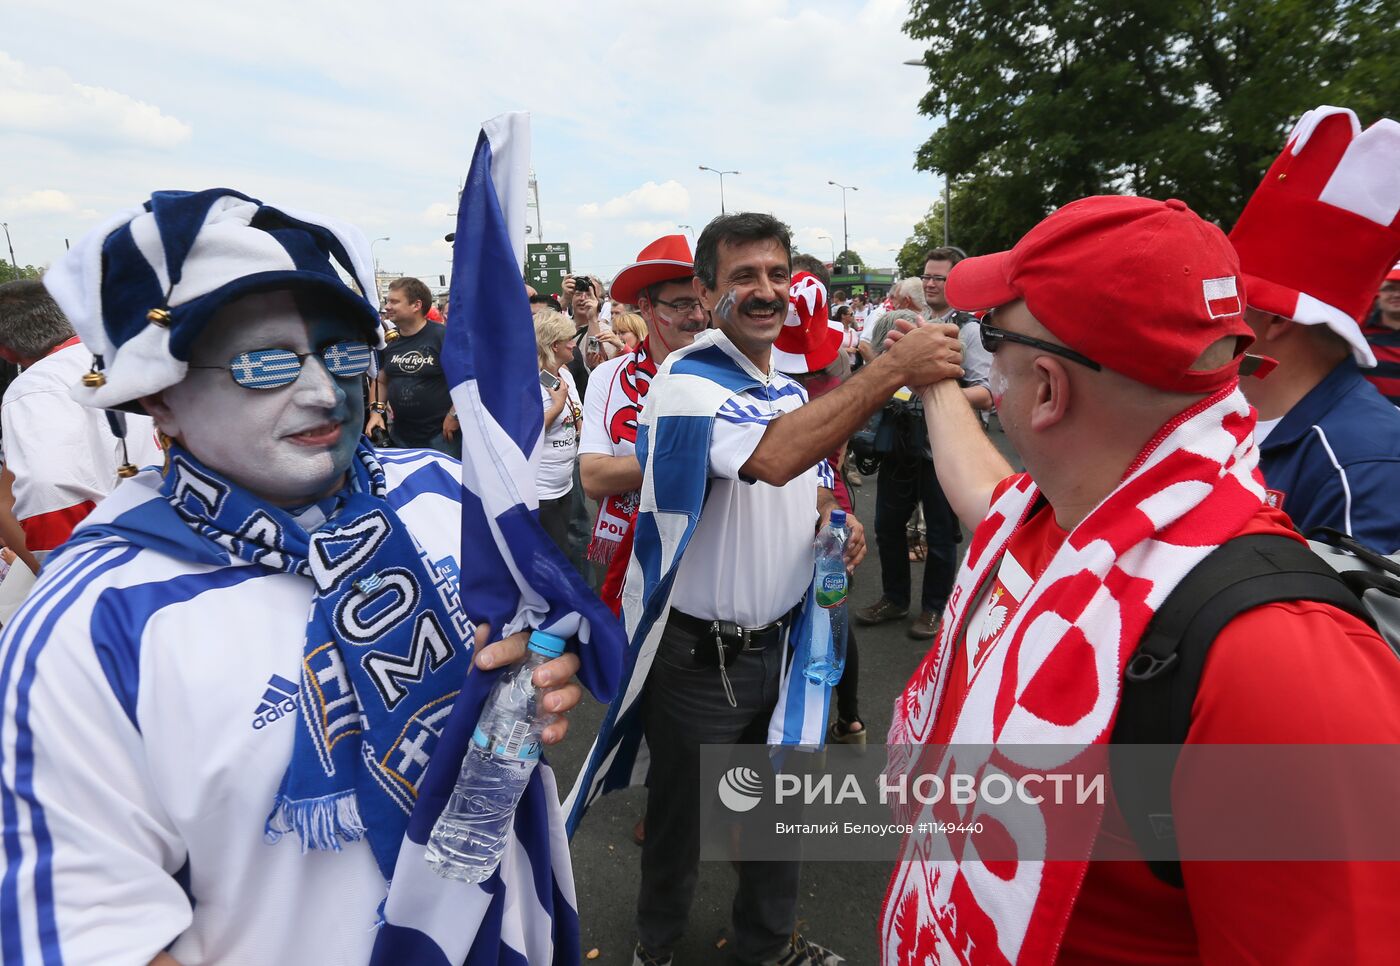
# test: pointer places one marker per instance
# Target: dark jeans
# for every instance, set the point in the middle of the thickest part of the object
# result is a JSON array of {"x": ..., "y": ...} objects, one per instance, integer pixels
[
  {"x": 847, "y": 701},
  {"x": 554, "y": 517},
  {"x": 905, "y": 481},
  {"x": 684, "y": 708}
]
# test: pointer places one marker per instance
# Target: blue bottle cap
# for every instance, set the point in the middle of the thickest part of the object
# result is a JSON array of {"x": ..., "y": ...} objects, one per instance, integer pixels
[
  {"x": 547, "y": 644},
  {"x": 838, "y": 519}
]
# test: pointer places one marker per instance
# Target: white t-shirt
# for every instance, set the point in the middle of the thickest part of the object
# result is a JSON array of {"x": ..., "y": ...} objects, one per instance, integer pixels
[
  {"x": 750, "y": 558},
  {"x": 157, "y": 744},
  {"x": 597, "y": 437},
  {"x": 63, "y": 454},
  {"x": 559, "y": 448}
]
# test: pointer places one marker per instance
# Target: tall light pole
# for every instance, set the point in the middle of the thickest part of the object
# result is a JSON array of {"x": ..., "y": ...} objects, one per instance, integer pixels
[
  {"x": 691, "y": 230},
  {"x": 833, "y": 250},
  {"x": 376, "y": 263},
  {"x": 845, "y": 232},
  {"x": 721, "y": 183},
  {"x": 11, "y": 245}
]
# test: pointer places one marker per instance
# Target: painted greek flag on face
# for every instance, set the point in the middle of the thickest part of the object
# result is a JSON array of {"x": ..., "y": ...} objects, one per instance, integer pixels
[{"x": 512, "y": 576}]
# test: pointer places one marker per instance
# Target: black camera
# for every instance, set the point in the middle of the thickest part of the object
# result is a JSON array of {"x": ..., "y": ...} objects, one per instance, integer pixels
[{"x": 582, "y": 283}]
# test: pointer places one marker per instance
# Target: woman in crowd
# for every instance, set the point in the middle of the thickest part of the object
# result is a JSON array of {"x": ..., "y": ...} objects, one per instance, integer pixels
[
  {"x": 563, "y": 413},
  {"x": 630, "y": 330}
]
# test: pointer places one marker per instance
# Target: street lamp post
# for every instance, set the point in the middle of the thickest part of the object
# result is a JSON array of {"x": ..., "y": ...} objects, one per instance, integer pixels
[
  {"x": 11, "y": 245},
  {"x": 721, "y": 183},
  {"x": 833, "y": 250},
  {"x": 845, "y": 232},
  {"x": 376, "y": 263},
  {"x": 691, "y": 230}
]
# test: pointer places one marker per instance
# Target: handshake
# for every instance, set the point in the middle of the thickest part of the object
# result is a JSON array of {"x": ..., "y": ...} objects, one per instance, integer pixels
[{"x": 924, "y": 353}]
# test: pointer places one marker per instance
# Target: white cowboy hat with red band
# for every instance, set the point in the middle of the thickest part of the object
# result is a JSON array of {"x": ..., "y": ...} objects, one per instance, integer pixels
[
  {"x": 1323, "y": 229},
  {"x": 810, "y": 339},
  {"x": 668, "y": 259}
]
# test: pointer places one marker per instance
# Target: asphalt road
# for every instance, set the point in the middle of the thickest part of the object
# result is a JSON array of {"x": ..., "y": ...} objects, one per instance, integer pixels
[{"x": 840, "y": 902}]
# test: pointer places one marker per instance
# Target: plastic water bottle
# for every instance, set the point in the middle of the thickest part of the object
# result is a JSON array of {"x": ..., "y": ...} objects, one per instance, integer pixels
[
  {"x": 827, "y": 660},
  {"x": 471, "y": 833}
]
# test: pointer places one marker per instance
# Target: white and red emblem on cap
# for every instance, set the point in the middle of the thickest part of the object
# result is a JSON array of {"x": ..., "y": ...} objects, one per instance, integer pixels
[
  {"x": 1321, "y": 231},
  {"x": 810, "y": 340}
]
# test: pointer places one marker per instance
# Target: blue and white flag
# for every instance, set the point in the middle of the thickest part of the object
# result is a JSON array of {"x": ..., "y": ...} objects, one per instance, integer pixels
[
  {"x": 513, "y": 577},
  {"x": 673, "y": 445}
]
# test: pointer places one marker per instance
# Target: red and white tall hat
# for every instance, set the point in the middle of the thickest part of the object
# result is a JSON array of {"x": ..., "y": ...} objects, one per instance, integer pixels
[
  {"x": 1322, "y": 230},
  {"x": 810, "y": 339}
]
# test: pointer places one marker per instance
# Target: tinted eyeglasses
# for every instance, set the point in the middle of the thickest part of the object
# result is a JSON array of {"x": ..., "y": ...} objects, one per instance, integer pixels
[
  {"x": 992, "y": 337},
  {"x": 274, "y": 368}
]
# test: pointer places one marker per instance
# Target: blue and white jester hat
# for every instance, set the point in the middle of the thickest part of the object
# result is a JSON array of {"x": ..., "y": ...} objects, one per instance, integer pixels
[{"x": 140, "y": 288}]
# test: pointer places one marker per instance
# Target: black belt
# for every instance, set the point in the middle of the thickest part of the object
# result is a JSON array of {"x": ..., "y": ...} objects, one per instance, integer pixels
[
  {"x": 730, "y": 637},
  {"x": 718, "y": 644}
]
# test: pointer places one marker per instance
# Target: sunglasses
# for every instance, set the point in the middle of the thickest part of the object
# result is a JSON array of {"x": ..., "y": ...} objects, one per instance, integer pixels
[
  {"x": 274, "y": 368},
  {"x": 992, "y": 337}
]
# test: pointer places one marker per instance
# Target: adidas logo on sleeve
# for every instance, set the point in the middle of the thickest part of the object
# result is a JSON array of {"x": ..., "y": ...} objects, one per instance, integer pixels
[{"x": 278, "y": 700}]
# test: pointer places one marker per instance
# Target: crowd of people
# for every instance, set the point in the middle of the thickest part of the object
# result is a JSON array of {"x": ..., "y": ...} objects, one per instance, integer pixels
[{"x": 215, "y": 464}]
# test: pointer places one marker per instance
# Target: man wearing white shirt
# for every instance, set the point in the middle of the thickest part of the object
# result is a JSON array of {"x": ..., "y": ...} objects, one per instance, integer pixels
[
  {"x": 747, "y": 566},
  {"x": 64, "y": 456}
]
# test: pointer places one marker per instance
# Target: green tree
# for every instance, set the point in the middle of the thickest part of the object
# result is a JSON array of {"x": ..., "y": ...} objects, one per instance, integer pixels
[
  {"x": 1050, "y": 100},
  {"x": 8, "y": 272},
  {"x": 927, "y": 233},
  {"x": 848, "y": 257}
]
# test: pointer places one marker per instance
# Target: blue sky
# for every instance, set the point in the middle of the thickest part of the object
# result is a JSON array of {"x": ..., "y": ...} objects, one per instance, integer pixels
[{"x": 369, "y": 112}]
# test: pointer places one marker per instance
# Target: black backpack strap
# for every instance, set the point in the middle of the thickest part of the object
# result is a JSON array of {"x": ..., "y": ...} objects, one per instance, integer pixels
[{"x": 1164, "y": 673}]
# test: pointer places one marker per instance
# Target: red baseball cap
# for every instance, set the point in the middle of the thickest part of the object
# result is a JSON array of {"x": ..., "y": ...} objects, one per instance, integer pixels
[
  {"x": 1394, "y": 274},
  {"x": 1137, "y": 285}
]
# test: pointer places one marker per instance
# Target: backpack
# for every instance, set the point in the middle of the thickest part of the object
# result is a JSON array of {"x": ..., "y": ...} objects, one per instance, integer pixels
[{"x": 1163, "y": 674}]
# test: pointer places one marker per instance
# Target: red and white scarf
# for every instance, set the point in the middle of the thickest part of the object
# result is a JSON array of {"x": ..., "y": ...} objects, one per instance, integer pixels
[
  {"x": 1194, "y": 486},
  {"x": 625, "y": 398}
]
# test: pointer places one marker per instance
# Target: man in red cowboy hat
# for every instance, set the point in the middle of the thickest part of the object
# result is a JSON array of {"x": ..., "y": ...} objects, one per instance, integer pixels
[
  {"x": 1382, "y": 332},
  {"x": 1314, "y": 242},
  {"x": 659, "y": 284}
]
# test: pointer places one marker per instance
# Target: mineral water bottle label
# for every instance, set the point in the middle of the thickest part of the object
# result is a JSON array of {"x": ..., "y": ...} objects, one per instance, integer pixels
[
  {"x": 519, "y": 744},
  {"x": 831, "y": 591}
]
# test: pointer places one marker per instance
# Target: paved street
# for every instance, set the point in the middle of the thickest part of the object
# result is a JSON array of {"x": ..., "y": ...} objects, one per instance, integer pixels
[{"x": 840, "y": 904}]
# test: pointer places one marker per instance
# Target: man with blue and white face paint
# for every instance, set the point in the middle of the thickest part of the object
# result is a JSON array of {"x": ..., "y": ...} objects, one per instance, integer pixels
[{"x": 231, "y": 649}]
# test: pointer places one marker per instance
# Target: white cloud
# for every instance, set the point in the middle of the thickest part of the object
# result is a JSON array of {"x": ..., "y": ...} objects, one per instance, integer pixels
[
  {"x": 651, "y": 198},
  {"x": 318, "y": 119},
  {"x": 46, "y": 101},
  {"x": 42, "y": 201}
]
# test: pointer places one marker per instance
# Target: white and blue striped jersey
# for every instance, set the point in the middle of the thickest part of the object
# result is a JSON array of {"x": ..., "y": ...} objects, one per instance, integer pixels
[
  {"x": 750, "y": 558},
  {"x": 148, "y": 720}
]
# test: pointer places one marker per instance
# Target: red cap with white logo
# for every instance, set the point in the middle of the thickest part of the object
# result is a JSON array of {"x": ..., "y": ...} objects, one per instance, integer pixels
[{"x": 1140, "y": 286}]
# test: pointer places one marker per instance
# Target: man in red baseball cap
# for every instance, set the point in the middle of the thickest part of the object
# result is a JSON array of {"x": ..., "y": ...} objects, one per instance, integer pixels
[{"x": 1118, "y": 338}]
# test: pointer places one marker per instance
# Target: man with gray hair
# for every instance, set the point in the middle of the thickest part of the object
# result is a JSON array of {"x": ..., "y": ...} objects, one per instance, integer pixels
[{"x": 64, "y": 456}]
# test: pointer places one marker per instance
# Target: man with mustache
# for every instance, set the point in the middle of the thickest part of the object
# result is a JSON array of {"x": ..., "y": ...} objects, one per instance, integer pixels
[{"x": 732, "y": 446}]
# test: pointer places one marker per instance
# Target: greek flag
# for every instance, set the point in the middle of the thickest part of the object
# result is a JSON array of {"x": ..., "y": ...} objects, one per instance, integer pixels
[
  {"x": 512, "y": 577},
  {"x": 673, "y": 445}
]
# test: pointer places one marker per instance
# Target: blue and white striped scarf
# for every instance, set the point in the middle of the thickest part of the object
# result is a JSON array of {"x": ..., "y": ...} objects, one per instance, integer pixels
[
  {"x": 385, "y": 651},
  {"x": 673, "y": 446}
]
